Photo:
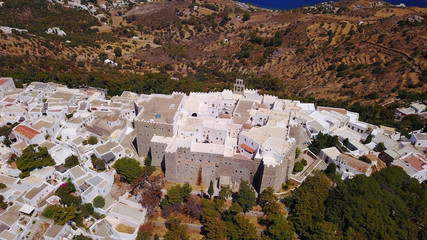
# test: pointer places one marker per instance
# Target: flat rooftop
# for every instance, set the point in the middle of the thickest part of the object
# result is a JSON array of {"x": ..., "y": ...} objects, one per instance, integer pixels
[
  {"x": 241, "y": 113},
  {"x": 159, "y": 108},
  {"x": 126, "y": 210},
  {"x": 53, "y": 230},
  {"x": 11, "y": 215}
]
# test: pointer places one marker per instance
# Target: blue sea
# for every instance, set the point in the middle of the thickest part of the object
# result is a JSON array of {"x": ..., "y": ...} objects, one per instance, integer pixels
[{"x": 290, "y": 4}]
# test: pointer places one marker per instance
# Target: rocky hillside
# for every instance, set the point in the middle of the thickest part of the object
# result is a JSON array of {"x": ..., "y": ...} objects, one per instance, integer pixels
[{"x": 354, "y": 51}]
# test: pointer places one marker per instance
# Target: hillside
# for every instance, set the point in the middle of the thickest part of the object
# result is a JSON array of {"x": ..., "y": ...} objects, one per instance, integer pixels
[{"x": 348, "y": 51}]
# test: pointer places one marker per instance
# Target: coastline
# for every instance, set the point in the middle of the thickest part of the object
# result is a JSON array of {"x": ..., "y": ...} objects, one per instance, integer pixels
[
  {"x": 247, "y": 6},
  {"x": 262, "y": 7},
  {"x": 272, "y": 8}
]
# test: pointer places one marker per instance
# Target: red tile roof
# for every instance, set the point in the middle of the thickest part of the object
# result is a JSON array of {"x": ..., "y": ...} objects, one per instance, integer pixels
[
  {"x": 26, "y": 131},
  {"x": 355, "y": 163},
  {"x": 112, "y": 118},
  {"x": 3, "y": 80},
  {"x": 247, "y": 148},
  {"x": 416, "y": 161}
]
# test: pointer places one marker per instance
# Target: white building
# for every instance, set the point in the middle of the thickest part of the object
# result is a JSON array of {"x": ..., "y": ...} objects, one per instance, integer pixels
[
  {"x": 57, "y": 31},
  {"x": 419, "y": 140},
  {"x": 57, "y": 232},
  {"x": 349, "y": 166},
  {"x": 35, "y": 195},
  {"x": 28, "y": 134},
  {"x": 418, "y": 107},
  {"x": 6, "y": 84},
  {"x": 415, "y": 165}
]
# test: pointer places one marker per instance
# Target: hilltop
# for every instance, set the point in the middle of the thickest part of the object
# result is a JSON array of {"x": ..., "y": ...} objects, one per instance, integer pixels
[{"x": 352, "y": 51}]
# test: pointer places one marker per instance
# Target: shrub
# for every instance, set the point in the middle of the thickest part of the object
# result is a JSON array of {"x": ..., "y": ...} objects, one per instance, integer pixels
[
  {"x": 297, "y": 152},
  {"x": 298, "y": 167},
  {"x": 71, "y": 161},
  {"x": 97, "y": 163},
  {"x": 98, "y": 202},
  {"x": 304, "y": 162},
  {"x": 92, "y": 140}
]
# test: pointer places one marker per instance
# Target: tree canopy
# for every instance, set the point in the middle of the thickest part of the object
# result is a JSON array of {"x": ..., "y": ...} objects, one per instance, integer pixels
[
  {"x": 99, "y": 202},
  {"x": 60, "y": 215},
  {"x": 246, "y": 196},
  {"x": 128, "y": 169},
  {"x": 176, "y": 230},
  {"x": 177, "y": 194},
  {"x": 387, "y": 205},
  {"x": 71, "y": 161},
  {"x": 34, "y": 157},
  {"x": 324, "y": 141}
]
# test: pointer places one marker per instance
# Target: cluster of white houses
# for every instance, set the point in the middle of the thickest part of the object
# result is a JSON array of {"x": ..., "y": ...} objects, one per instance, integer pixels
[{"x": 224, "y": 137}]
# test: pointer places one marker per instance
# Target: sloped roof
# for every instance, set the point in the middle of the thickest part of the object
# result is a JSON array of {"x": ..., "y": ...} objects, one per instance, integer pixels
[
  {"x": 247, "y": 148},
  {"x": 26, "y": 131},
  {"x": 416, "y": 161},
  {"x": 4, "y": 80}
]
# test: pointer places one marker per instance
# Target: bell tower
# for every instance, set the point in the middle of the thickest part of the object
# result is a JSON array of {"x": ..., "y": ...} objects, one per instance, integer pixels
[{"x": 239, "y": 87}]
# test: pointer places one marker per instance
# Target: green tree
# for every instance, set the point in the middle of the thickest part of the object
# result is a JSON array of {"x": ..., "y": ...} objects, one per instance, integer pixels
[
  {"x": 324, "y": 141},
  {"x": 241, "y": 228},
  {"x": 174, "y": 195},
  {"x": 246, "y": 196},
  {"x": 81, "y": 237},
  {"x": 369, "y": 138},
  {"x": 186, "y": 190},
  {"x": 304, "y": 162},
  {"x": 60, "y": 215},
  {"x": 87, "y": 209},
  {"x": 177, "y": 194},
  {"x": 345, "y": 142},
  {"x": 92, "y": 140},
  {"x": 211, "y": 189},
  {"x": 3, "y": 205},
  {"x": 70, "y": 200},
  {"x": 98, "y": 202},
  {"x": 33, "y": 157},
  {"x": 308, "y": 206},
  {"x": 332, "y": 168},
  {"x": 71, "y": 161},
  {"x": 298, "y": 167},
  {"x": 176, "y": 230},
  {"x": 209, "y": 210},
  {"x": 147, "y": 161},
  {"x": 278, "y": 228},
  {"x": 214, "y": 228},
  {"x": 324, "y": 230},
  {"x": 267, "y": 196},
  {"x": 128, "y": 169},
  {"x": 103, "y": 56},
  {"x": 246, "y": 16},
  {"x": 98, "y": 163},
  {"x": 297, "y": 152},
  {"x": 118, "y": 52},
  {"x": 225, "y": 192},
  {"x": 380, "y": 147}
]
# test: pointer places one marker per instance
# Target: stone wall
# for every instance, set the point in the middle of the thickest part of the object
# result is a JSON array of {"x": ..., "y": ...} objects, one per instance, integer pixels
[
  {"x": 201, "y": 168},
  {"x": 146, "y": 130}
]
